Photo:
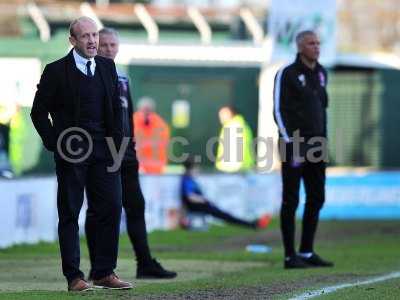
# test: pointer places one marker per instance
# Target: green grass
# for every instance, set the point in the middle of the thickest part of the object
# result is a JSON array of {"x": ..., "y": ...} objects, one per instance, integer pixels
[{"x": 215, "y": 264}]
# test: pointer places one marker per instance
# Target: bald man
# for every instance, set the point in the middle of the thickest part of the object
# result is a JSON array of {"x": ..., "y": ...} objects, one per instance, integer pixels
[{"x": 80, "y": 94}]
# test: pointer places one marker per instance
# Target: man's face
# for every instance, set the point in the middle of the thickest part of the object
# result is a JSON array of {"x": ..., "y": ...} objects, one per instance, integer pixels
[
  {"x": 310, "y": 47},
  {"x": 108, "y": 45},
  {"x": 85, "y": 39},
  {"x": 225, "y": 114}
]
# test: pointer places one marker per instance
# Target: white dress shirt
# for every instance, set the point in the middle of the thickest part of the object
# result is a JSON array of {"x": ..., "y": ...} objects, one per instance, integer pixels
[{"x": 81, "y": 63}]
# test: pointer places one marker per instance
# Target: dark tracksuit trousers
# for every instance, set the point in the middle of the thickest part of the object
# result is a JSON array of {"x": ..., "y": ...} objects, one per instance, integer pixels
[
  {"x": 313, "y": 175},
  {"x": 134, "y": 204}
]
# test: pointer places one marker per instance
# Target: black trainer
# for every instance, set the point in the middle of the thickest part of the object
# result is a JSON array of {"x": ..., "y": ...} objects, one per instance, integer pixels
[
  {"x": 295, "y": 262},
  {"x": 153, "y": 270},
  {"x": 316, "y": 261}
]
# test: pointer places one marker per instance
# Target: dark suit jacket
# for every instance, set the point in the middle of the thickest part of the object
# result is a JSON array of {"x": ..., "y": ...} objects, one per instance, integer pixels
[
  {"x": 130, "y": 112},
  {"x": 57, "y": 95}
]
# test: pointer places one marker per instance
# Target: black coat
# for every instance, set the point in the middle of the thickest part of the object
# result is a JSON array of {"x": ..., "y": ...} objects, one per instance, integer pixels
[
  {"x": 57, "y": 95},
  {"x": 130, "y": 155}
]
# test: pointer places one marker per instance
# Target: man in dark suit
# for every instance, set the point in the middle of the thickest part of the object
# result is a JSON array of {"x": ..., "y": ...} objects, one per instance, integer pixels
[
  {"x": 80, "y": 92},
  {"x": 132, "y": 196}
]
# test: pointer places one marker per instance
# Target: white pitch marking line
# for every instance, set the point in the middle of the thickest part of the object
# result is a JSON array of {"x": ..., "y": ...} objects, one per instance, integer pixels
[{"x": 330, "y": 289}]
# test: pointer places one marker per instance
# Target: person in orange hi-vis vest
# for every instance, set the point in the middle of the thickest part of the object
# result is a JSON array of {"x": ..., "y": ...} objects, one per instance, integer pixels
[{"x": 152, "y": 137}]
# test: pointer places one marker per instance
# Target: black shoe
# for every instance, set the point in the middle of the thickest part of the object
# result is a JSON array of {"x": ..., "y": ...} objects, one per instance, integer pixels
[
  {"x": 295, "y": 262},
  {"x": 154, "y": 270},
  {"x": 316, "y": 261}
]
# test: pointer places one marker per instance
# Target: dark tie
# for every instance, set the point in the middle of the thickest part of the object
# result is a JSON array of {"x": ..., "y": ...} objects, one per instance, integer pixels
[{"x": 88, "y": 70}]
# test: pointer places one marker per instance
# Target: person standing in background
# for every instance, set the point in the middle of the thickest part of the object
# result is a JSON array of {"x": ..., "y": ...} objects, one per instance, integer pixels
[
  {"x": 152, "y": 136},
  {"x": 300, "y": 102},
  {"x": 8, "y": 109},
  {"x": 235, "y": 152},
  {"x": 132, "y": 197}
]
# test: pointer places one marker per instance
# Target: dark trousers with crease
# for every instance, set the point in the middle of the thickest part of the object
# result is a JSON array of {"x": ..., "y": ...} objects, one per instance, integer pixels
[
  {"x": 134, "y": 205},
  {"x": 313, "y": 175},
  {"x": 104, "y": 189}
]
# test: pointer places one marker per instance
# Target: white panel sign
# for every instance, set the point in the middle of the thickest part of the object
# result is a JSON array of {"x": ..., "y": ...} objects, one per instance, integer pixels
[
  {"x": 289, "y": 17},
  {"x": 18, "y": 78},
  {"x": 29, "y": 212}
]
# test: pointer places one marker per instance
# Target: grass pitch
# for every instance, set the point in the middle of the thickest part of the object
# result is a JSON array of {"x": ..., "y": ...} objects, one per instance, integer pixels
[{"x": 215, "y": 265}]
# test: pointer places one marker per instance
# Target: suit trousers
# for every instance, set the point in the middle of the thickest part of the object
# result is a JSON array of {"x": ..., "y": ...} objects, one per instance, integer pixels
[
  {"x": 134, "y": 205},
  {"x": 104, "y": 191}
]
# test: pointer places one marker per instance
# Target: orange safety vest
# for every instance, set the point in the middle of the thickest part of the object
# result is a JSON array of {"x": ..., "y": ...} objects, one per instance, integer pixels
[{"x": 151, "y": 142}]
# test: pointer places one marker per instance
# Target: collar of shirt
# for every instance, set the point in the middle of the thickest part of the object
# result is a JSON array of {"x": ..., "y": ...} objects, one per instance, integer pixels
[
  {"x": 304, "y": 68},
  {"x": 81, "y": 62}
]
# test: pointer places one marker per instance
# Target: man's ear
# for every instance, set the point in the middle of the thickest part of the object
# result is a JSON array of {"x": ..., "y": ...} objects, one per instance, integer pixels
[{"x": 72, "y": 40}]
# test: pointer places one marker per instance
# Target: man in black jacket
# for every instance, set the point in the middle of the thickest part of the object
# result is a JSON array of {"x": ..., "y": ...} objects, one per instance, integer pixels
[
  {"x": 132, "y": 197},
  {"x": 80, "y": 93},
  {"x": 300, "y": 102}
]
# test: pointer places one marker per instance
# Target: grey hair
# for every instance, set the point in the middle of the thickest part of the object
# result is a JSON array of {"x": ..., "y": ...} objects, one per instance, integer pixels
[
  {"x": 76, "y": 21},
  {"x": 109, "y": 30},
  {"x": 301, "y": 35}
]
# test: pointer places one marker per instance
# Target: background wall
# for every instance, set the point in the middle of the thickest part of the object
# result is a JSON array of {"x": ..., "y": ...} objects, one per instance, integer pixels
[{"x": 206, "y": 89}]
